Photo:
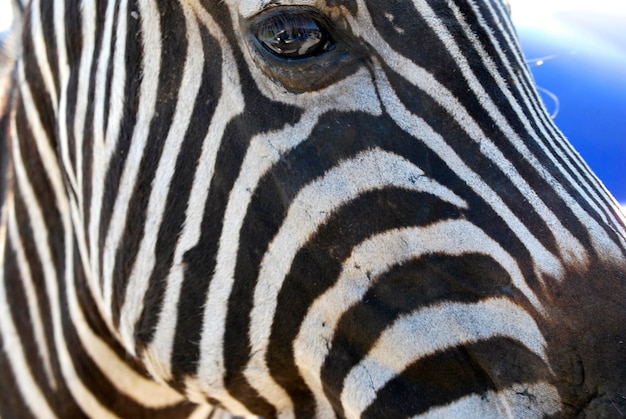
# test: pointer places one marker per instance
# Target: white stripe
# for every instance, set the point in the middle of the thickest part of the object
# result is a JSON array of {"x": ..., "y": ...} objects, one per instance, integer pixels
[
  {"x": 203, "y": 412},
  {"x": 126, "y": 380},
  {"x": 151, "y": 31},
  {"x": 82, "y": 98},
  {"x": 99, "y": 160},
  {"x": 82, "y": 89},
  {"x": 562, "y": 236},
  {"x": 373, "y": 258},
  {"x": 81, "y": 394},
  {"x": 100, "y": 82},
  {"x": 115, "y": 369},
  {"x": 521, "y": 75},
  {"x": 521, "y": 401},
  {"x": 230, "y": 104},
  {"x": 262, "y": 153},
  {"x": 88, "y": 22},
  {"x": 143, "y": 267},
  {"x": 206, "y": 411},
  {"x": 63, "y": 75},
  {"x": 544, "y": 261},
  {"x": 41, "y": 56},
  {"x": 432, "y": 329},
  {"x": 572, "y": 159},
  {"x": 118, "y": 81},
  {"x": 12, "y": 346},
  {"x": 143, "y": 389},
  {"x": 31, "y": 295},
  {"x": 313, "y": 205},
  {"x": 575, "y": 253},
  {"x": 598, "y": 235},
  {"x": 575, "y": 250}
]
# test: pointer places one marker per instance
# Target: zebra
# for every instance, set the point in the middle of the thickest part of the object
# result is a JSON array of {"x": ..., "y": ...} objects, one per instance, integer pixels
[{"x": 295, "y": 209}]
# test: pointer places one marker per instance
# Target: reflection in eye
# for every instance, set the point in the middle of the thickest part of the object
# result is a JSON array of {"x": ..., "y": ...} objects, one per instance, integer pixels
[{"x": 293, "y": 36}]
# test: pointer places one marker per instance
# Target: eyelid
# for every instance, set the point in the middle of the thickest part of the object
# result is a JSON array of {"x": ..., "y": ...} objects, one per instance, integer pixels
[{"x": 249, "y": 8}]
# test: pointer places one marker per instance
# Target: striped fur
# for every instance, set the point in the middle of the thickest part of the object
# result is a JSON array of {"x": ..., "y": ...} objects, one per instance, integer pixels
[{"x": 392, "y": 227}]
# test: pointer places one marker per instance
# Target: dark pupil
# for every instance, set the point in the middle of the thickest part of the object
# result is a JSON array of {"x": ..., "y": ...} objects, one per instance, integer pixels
[{"x": 293, "y": 36}]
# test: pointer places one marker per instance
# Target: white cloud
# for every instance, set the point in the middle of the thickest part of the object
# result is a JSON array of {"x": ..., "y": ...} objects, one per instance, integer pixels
[
  {"x": 6, "y": 15},
  {"x": 540, "y": 12}
]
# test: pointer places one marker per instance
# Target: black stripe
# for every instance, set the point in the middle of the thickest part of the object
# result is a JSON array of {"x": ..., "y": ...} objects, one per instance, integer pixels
[
  {"x": 46, "y": 8},
  {"x": 278, "y": 188},
  {"x": 200, "y": 260},
  {"x": 73, "y": 49},
  {"x": 259, "y": 116},
  {"x": 480, "y": 213},
  {"x": 170, "y": 79},
  {"x": 513, "y": 53},
  {"x": 12, "y": 405},
  {"x": 267, "y": 209},
  {"x": 429, "y": 280},
  {"x": 20, "y": 317},
  {"x": 469, "y": 151},
  {"x": 538, "y": 120},
  {"x": 110, "y": 63},
  {"x": 42, "y": 189},
  {"x": 317, "y": 266},
  {"x": 25, "y": 232},
  {"x": 134, "y": 72},
  {"x": 132, "y": 88},
  {"x": 180, "y": 188},
  {"x": 87, "y": 370},
  {"x": 433, "y": 57},
  {"x": 20, "y": 5},
  {"x": 34, "y": 80},
  {"x": 93, "y": 319},
  {"x": 88, "y": 129},
  {"x": 535, "y": 113},
  {"x": 65, "y": 408},
  {"x": 442, "y": 378}
]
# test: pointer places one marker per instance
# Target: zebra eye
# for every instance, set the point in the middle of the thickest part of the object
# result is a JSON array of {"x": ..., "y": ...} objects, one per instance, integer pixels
[{"x": 293, "y": 35}]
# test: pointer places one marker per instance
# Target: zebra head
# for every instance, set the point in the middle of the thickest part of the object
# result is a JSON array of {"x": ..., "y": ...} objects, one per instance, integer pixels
[{"x": 305, "y": 208}]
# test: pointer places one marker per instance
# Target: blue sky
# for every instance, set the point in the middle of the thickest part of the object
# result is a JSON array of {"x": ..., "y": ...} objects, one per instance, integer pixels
[{"x": 576, "y": 50}]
